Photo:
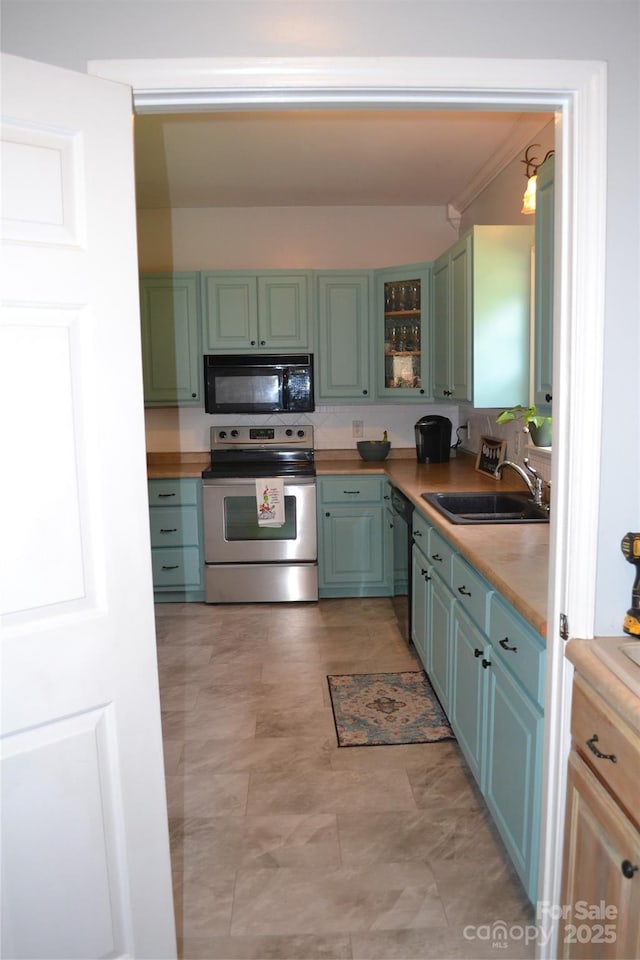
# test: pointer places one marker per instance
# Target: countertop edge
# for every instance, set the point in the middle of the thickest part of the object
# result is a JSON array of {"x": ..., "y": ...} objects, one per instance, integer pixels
[{"x": 597, "y": 660}]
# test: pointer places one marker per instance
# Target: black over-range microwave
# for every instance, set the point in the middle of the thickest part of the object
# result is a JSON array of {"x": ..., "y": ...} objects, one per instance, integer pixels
[{"x": 257, "y": 383}]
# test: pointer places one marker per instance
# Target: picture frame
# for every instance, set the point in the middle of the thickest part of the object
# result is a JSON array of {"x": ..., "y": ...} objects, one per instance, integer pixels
[{"x": 492, "y": 452}]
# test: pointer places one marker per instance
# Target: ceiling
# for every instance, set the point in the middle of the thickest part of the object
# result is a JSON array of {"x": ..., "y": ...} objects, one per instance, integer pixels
[{"x": 397, "y": 157}]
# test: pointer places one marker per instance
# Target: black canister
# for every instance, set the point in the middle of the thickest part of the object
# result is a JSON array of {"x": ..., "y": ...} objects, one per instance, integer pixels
[{"x": 433, "y": 439}]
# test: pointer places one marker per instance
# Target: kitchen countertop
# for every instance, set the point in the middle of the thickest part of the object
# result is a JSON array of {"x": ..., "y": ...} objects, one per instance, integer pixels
[
  {"x": 512, "y": 557},
  {"x": 610, "y": 673}
]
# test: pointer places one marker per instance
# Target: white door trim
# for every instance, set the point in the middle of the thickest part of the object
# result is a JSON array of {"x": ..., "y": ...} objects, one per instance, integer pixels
[{"x": 577, "y": 91}]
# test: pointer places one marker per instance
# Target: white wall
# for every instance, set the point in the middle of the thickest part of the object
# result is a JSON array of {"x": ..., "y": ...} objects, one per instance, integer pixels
[
  {"x": 334, "y": 238},
  {"x": 70, "y": 33}
]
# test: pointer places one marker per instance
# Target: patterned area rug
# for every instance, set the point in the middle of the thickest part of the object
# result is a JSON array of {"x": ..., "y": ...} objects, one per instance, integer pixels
[{"x": 372, "y": 709}]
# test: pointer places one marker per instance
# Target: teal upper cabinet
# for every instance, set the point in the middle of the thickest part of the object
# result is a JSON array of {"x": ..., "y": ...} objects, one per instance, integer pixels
[
  {"x": 171, "y": 354},
  {"x": 402, "y": 330},
  {"x": 269, "y": 311},
  {"x": 543, "y": 363},
  {"x": 481, "y": 317},
  {"x": 344, "y": 344},
  {"x": 452, "y": 322}
]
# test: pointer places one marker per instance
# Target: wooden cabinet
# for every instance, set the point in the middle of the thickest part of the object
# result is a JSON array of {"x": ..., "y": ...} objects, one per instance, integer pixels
[
  {"x": 171, "y": 352},
  {"x": 602, "y": 838},
  {"x": 544, "y": 282},
  {"x": 453, "y": 323},
  {"x": 481, "y": 317},
  {"x": 256, "y": 312},
  {"x": 175, "y": 514},
  {"x": 487, "y": 667},
  {"x": 354, "y": 543},
  {"x": 344, "y": 341},
  {"x": 402, "y": 332}
]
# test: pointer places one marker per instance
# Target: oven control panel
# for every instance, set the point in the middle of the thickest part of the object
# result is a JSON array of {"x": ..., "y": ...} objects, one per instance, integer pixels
[{"x": 299, "y": 436}]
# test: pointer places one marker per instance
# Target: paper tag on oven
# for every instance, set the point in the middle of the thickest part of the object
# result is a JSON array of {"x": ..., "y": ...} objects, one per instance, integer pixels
[{"x": 270, "y": 501}]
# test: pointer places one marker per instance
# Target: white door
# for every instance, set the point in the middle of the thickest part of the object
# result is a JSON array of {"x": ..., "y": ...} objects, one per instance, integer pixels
[{"x": 85, "y": 855}]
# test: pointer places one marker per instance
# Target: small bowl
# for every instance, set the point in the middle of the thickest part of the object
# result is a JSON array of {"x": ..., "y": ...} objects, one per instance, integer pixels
[{"x": 373, "y": 449}]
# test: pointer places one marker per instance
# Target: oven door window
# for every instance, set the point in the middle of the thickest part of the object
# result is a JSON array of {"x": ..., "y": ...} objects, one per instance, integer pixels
[{"x": 241, "y": 520}]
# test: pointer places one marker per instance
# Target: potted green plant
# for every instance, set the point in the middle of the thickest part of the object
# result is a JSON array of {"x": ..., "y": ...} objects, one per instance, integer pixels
[{"x": 536, "y": 424}]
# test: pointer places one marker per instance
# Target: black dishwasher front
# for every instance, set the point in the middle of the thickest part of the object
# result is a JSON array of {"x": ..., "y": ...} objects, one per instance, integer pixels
[{"x": 403, "y": 515}]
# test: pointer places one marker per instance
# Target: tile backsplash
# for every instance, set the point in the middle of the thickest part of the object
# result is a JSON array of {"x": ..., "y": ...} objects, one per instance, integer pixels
[{"x": 481, "y": 423}]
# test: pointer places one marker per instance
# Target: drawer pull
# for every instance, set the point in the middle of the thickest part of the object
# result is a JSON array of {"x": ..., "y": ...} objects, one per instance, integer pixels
[
  {"x": 505, "y": 645},
  {"x": 174, "y": 566},
  {"x": 168, "y": 529},
  {"x": 166, "y": 494},
  {"x": 598, "y": 753},
  {"x": 463, "y": 590},
  {"x": 628, "y": 869},
  {"x": 354, "y": 492},
  {"x": 436, "y": 557}
]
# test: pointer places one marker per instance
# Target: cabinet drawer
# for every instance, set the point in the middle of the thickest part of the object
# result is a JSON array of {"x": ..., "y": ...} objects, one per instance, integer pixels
[
  {"x": 173, "y": 493},
  {"x": 440, "y": 554},
  {"x": 176, "y": 568},
  {"x": 421, "y": 531},
  {"x": 351, "y": 490},
  {"x": 518, "y": 647},
  {"x": 174, "y": 526},
  {"x": 595, "y": 727},
  {"x": 470, "y": 590}
]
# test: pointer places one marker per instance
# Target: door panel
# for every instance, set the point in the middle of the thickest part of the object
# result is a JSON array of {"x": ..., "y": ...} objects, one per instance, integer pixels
[{"x": 86, "y": 868}]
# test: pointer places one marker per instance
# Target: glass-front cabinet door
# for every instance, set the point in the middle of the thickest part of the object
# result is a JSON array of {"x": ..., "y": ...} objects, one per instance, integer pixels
[{"x": 402, "y": 350}]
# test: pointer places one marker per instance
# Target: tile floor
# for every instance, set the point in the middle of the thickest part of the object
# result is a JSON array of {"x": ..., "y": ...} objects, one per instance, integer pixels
[{"x": 286, "y": 846}]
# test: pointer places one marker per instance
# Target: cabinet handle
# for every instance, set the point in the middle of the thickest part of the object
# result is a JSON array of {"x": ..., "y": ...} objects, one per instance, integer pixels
[
  {"x": 447, "y": 393},
  {"x": 425, "y": 574},
  {"x": 168, "y": 529},
  {"x": 172, "y": 567},
  {"x": 166, "y": 495},
  {"x": 505, "y": 645},
  {"x": 353, "y": 492},
  {"x": 364, "y": 393},
  {"x": 386, "y": 497},
  {"x": 463, "y": 590},
  {"x": 548, "y": 397},
  {"x": 253, "y": 343},
  {"x": 422, "y": 391},
  {"x": 194, "y": 395},
  {"x": 477, "y": 653},
  {"x": 417, "y": 533},
  {"x": 436, "y": 557},
  {"x": 263, "y": 343},
  {"x": 327, "y": 514},
  {"x": 485, "y": 664},
  {"x": 598, "y": 753},
  {"x": 628, "y": 869}
]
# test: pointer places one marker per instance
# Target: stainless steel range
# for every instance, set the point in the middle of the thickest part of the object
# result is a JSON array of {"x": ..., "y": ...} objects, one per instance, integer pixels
[{"x": 259, "y": 500}]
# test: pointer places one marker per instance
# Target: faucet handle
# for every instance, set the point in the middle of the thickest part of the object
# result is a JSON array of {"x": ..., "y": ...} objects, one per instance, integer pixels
[{"x": 532, "y": 470}]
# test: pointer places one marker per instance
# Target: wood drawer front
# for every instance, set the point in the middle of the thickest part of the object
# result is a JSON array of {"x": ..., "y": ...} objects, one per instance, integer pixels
[
  {"x": 174, "y": 526},
  {"x": 518, "y": 647},
  {"x": 175, "y": 569},
  {"x": 591, "y": 716},
  {"x": 421, "y": 532},
  {"x": 351, "y": 490},
  {"x": 440, "y": 554},
  {"x": 173, "y": 493},
  {"x": 470, "y": 590}
]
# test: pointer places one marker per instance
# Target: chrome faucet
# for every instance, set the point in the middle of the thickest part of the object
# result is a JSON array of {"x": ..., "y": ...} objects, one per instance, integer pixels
[{"x": 534, "y": 482}]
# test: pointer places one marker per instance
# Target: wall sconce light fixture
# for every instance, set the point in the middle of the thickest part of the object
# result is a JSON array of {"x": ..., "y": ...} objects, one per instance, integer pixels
[{"x": 531, "y": 165}]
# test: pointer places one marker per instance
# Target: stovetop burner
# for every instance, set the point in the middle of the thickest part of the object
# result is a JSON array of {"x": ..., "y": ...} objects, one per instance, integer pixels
[{"x": 275, "y": 451}]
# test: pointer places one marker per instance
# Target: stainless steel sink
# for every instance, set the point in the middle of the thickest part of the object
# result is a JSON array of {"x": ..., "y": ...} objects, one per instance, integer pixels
[{"x": 487, "y": 507}]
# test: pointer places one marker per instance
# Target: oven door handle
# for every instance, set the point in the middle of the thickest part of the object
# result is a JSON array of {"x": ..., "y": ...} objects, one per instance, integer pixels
[{"x": 250, "y": 481}]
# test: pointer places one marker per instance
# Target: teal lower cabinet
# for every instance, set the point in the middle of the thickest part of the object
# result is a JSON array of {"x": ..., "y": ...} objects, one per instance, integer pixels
[
  {"x": 175, "y": 516},
  {"x": 355, "y": 543},
  {"x": 487, "y": 666}
]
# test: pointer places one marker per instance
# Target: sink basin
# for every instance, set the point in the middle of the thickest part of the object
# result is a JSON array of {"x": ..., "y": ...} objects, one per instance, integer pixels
[{"x": 487, "y": 507}]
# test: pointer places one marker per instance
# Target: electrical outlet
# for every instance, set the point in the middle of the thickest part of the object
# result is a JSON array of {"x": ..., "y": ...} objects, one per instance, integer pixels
[{"x": 356, "y": 428}]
